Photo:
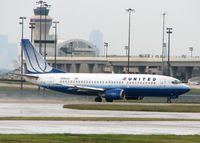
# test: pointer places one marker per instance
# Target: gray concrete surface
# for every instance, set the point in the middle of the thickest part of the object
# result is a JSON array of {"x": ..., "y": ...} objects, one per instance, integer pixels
[
  {"x": 91, "y": 127},
  {"x": 55, "y": 110}
]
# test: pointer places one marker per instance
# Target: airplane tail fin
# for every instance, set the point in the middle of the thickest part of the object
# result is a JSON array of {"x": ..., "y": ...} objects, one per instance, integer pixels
[{"x": 34, "y": 61}]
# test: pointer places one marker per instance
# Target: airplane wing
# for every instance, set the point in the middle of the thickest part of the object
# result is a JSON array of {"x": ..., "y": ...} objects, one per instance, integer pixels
[{"x": 85, "y": 88}]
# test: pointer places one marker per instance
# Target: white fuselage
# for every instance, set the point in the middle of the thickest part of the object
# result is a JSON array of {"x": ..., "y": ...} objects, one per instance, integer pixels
[{"x": 133, "y": 84}]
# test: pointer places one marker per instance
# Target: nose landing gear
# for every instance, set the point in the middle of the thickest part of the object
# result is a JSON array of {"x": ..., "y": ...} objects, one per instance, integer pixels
[
  {"x": 169, "y": 100},
  {"x": 98, "y": 99}
]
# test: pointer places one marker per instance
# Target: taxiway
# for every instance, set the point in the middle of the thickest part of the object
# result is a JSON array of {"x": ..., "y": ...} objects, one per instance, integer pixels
[
  {"x": 57, "y": 110},
  {"x": 91, "y": 127},
  {"x": 103, "y": 127}
]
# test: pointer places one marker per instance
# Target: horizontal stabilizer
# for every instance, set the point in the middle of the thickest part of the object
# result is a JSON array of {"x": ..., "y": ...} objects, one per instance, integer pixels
[{"x": 26, "y": 75}]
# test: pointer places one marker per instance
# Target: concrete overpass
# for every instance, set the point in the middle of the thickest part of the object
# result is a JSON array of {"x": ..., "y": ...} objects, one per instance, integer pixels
[{"x": 181, "y": 67}]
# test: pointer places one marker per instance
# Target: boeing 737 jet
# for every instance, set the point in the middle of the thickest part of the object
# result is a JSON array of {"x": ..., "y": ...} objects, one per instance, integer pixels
[{"x": 108, "y": 86}]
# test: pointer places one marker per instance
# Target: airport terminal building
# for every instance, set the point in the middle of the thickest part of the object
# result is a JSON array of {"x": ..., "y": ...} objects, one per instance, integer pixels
[{"x": 76, "y": 47}]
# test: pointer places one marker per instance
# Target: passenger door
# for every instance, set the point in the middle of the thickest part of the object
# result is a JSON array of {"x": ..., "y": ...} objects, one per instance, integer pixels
[
  {"x": 163, "y": 83},
  {"x": 50, "y": 81}
]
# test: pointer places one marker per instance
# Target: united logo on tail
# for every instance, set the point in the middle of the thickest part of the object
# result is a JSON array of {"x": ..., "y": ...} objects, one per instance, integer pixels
[{"x": 34, "y": 61}]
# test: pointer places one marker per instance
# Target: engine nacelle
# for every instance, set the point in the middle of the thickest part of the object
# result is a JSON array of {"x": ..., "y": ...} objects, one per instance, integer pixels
[{"x": 114, "y": 94}]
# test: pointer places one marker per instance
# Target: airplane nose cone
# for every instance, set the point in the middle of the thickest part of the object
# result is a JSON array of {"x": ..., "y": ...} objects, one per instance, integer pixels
[{"x": 186, "y": 88}]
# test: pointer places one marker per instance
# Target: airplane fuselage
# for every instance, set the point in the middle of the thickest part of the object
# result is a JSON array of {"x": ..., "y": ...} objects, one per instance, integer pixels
[{"x": 134, "y": 85}]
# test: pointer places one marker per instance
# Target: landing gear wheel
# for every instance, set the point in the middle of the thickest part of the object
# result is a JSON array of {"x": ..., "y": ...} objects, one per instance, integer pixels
[
  {"x": 98, "y": 99},
  {"x": 109, "y": 100},
  {"x": 169, "y": 100}
]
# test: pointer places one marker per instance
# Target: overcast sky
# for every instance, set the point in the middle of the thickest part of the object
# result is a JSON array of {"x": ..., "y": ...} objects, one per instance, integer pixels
[{"x": 79, "y": 17}]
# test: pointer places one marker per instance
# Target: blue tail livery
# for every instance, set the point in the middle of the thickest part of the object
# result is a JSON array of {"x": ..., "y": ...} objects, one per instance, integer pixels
[{"x": 34, "y": 61}]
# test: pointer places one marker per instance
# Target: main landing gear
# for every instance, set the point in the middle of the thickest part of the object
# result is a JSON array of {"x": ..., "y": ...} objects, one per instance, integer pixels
[
  {"x": 98, "y": 99},
  {"x": 169, "y": 100}
]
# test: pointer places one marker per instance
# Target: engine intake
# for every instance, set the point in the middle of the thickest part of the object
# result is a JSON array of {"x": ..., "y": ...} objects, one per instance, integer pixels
[{"x": 114, "y": 94}]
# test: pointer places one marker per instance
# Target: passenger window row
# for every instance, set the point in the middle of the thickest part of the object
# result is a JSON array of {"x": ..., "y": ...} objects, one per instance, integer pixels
[{"x": 102, "y": 82}]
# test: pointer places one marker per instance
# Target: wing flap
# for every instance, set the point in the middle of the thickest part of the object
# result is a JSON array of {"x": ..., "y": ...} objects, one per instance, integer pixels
[{"x": 85, "y": 88}]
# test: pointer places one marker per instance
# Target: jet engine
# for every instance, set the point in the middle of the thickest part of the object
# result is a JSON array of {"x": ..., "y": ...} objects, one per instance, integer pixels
[{"x": 114, "y": 94}]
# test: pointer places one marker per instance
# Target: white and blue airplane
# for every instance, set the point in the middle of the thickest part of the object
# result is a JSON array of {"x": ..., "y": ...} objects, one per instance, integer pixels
[{"x": 108, "y": 86}]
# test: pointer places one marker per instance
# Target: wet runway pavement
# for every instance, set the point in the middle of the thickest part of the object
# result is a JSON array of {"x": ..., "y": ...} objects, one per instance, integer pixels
[
  {"x": 57, "y": 110},
  {"x": 91, "y": 127}
]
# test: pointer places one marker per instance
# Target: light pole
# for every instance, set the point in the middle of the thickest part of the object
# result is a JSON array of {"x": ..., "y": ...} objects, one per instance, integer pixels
[
  {"x": 41, "y": 3},
  {"x": 106, "y": 49},
  {"x": 126, "y": 49},
  {"x": 22, "y": 23},
  {"x": 45, "y": 28},
  {"x": 71, "y": 46},
  {"x": 130, "y": 10},
  {"x": 55, "y": 26},
  {"x": 32, "y": 26},
  {"x": 169, "y": 31},
  {"x": 191, "y": 50},
  {"x": 163, "y": 42}
]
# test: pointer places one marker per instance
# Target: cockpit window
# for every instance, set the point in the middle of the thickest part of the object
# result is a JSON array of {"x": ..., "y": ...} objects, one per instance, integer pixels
[{"x": 176, "y": 82}]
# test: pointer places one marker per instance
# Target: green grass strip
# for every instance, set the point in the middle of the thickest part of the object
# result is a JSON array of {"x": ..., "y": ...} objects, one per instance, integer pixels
[
  {"x": 76, "y": 138},
  {"x": 120, "y": 107},
  {"x": 92, "y": 119}
]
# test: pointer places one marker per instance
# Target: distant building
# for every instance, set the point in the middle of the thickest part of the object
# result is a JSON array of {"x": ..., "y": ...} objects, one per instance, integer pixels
[
  {"x": 8, "y": 53},
  {"x": 96, "y": 37},
  {"x": 77, "y": 47}
]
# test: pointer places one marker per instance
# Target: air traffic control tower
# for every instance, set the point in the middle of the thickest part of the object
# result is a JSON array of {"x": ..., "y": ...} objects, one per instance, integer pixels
[{"x": 41, "y": 27}]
